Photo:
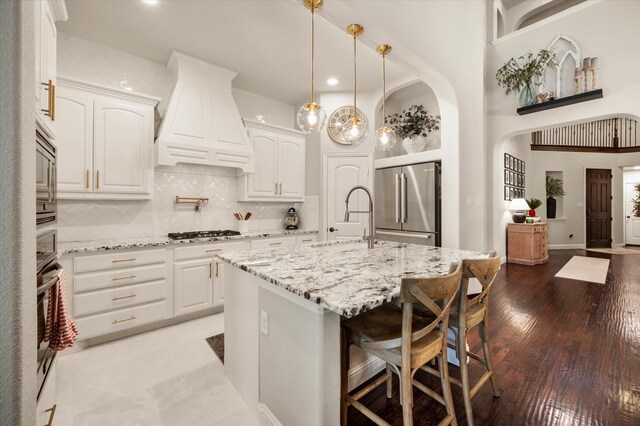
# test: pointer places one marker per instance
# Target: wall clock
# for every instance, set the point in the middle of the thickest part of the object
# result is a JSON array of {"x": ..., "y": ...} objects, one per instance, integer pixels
[{"x": 338, "y": 119}]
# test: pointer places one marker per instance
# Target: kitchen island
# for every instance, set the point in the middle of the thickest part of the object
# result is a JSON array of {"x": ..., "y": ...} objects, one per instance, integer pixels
[{"x": 282, "y": 320}]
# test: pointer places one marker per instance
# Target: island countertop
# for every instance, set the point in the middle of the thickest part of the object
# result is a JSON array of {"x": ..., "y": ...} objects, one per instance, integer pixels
[{"x": 347, "y": 277}]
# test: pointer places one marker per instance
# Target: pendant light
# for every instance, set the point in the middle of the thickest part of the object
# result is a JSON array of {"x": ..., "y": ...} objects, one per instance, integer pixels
[
  {"x": 311, "y": 116},
  {"x": 355, "y": 130},
  {"x": 385, "y": 138}
]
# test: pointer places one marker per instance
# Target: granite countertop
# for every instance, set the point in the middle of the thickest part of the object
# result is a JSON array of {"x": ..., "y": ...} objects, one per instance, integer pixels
[
  {"x": 347, "y": 277},
  {"x": 123, "y": 244}
]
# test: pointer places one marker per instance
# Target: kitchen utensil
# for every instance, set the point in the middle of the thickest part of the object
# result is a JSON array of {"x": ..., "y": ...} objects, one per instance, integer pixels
[{"x": 247, "y": 216}]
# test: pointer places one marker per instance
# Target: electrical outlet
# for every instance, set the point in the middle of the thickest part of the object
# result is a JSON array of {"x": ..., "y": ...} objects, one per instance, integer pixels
[{"x": 264, "y": 323}]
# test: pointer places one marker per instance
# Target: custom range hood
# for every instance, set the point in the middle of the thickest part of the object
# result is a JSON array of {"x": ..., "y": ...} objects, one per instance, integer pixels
[{"x": 202, "y": 124}]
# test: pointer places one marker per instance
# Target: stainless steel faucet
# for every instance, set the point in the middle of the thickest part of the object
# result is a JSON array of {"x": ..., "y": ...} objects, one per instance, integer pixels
[{"x": 370, "y": 212}]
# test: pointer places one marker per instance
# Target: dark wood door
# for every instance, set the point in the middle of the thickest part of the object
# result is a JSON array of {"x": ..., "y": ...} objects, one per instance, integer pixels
[{"x": 598, "y": 209}]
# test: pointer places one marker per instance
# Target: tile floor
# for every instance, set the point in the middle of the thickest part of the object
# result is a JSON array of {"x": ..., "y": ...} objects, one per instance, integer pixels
[{"x": 164, "y": 377}]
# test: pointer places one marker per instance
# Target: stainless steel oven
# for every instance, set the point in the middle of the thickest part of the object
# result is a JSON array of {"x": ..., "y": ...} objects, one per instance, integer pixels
[
  {"x": 45, "y": 180},
  {"x": 46, "y": 281}
]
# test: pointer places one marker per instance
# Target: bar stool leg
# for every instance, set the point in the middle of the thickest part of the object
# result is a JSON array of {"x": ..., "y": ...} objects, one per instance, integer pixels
[
  {"x": 461, "y": 352},
  {"x": 482, "y": 329},
  {"x": 407, "y": 396},
  {"x": 389, "y": 381},
  {"x": 443, "y": 366},
  {"x": 344, "y": 375}
]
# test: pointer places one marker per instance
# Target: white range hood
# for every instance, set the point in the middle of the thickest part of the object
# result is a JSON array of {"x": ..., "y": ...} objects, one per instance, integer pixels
[{"x": 202, "y": 124}]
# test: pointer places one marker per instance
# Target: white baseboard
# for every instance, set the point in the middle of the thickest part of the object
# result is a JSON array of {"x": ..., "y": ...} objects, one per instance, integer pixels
[
  {"x": 618, "y": 245},
  {"x": 266, "y": 417},
  {"x": 503, "y": 259},
  {"x": 364, "y": 371},
  {"x": 566, "y": 246}
]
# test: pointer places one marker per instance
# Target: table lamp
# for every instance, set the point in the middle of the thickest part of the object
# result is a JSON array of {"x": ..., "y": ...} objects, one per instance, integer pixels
[{"x": 519, "y": 207}]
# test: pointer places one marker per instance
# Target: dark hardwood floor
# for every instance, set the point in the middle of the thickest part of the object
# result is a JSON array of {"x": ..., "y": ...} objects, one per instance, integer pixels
[{"x": 565, "y": 352}]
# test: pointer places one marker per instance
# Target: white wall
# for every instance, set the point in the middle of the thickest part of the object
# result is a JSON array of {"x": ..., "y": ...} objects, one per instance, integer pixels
[
  {"x": 613, "y": 40},
  {"x": 17, "y": 216}
]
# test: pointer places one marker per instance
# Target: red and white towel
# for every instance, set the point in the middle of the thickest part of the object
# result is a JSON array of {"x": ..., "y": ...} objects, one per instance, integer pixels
[{"x": 61, "y": 331}]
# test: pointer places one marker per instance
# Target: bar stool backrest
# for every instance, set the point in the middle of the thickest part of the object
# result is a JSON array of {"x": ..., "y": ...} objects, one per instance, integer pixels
[{"x": 485, "y": 271}]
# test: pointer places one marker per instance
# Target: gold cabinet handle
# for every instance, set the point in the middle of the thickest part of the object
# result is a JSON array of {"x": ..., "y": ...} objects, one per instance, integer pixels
[
  {"x": 217, "y": 269},
  {"x": 51, "y": 410},
  {"x": 275, "y": 244},
  {"x": 123, "y": 278},
  {"x": 123, "y": 260},
  {"x": 280, "y": 189},
  {"x": 87, "y": 179},
  {"x": 276, "y": 188},
  {"x": 123, "y": 320},
  {"x": 123, "y": 297},
  {"x": 209, "y": 269},
  {"x": 49, "y": 88},
  {"x": 97, "y": 179},
  {"x": 213, "y": 250},
  {"x": 52, "y": 100},
  {"x": 307, "y": 241}
]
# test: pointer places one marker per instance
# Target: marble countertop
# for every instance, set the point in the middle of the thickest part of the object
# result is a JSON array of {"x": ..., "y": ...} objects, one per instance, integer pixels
[
  {"x": 123, "y": 244},
  {"x": 347, "y": 277}
]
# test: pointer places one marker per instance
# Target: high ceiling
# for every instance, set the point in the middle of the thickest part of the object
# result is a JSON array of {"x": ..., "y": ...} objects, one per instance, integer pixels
[{"x": 266, "y": 42}]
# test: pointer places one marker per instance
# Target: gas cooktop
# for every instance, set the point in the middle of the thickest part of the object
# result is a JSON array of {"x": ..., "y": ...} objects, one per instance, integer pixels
[{"x": 201, "y": 234}]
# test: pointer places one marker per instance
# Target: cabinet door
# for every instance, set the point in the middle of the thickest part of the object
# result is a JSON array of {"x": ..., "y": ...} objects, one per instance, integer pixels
[
  {"x": 193, "y": 285},
  {"x": 290, "y": 167},
  {"x": 123, "y": 140},
  {"x": 74, "y": 141},
  {"x": 262, "y": 183},
  {"x": 218, "y": 283},
  {"x": 46, "y": 408},
  {"x": 46, "y": 66}
]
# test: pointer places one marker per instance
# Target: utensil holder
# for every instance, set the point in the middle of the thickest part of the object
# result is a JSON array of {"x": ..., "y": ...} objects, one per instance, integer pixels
[{"x": 243, "y": 226}]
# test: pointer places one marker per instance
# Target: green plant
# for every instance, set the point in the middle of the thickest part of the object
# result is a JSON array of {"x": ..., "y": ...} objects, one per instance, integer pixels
[
  {"x": 554, "y": 187},
  {"x": 413, "y": 121},
  {"x": 534, "y": 203},
  {"x": 516, "y": 74},
  {"x": 636, "y": 200}
]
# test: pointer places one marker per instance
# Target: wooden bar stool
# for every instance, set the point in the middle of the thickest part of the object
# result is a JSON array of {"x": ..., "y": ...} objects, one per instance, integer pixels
[
  {"x": 475, "y": 312},
  {"x": 405, "y": 341}
]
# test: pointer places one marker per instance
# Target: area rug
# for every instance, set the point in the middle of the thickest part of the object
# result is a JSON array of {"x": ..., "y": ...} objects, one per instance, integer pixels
[
  {"x": 618, "y": 250},
  {"x": 217, "y": 345},
  {"x": 591, "y": 269}
]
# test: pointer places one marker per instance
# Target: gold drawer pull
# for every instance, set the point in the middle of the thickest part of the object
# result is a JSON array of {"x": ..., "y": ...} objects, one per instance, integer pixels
[
  {"x": 123, "y": 260},
  {"x": 51, "y": 410},
  {"x": 123, "y": 297},
  {"x": 213, "y": 250},
  {"x": 123, "y": 278},
  {"x": 87, "y": 179},
  {"x": 51, "y": 96},
  {"x": 98, "y": 179},
  {"x": 123, "y": 320},
  {"x": 217, "y": 269},
  {"x": 307, "y": 241},
  {"x": 275, "y": 244}
]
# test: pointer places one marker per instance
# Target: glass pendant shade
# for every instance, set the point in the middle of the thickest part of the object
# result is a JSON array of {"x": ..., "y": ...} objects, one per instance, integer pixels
[
  {"x": 355, "y": 130},
  {"x": 385, "y": 138},
  {"x": 311, "y": 118}
]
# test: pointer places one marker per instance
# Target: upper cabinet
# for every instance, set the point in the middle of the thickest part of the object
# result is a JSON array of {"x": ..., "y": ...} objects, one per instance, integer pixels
[
  {"x": 105, "y": 143},
  {"x": 47, "y": 12},
  {"x": 279, "y": 172}
]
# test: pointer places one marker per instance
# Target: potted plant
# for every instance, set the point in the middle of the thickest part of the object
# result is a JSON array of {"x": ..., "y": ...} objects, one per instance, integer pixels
[
  {"x": 534, "y": 203},
  {"x": 525, "y": 74},
  {"x": 412, "y": 125},
  {"x": 554, "y": 189},
  {"x": 636, "y": 200}
]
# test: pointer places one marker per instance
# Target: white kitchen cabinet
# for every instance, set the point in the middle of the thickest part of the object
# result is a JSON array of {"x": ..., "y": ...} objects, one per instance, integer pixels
[
  {"x": 279, "y": 172},
  {"x": 47, "y": 404},
  {"x": 273, "y": 243},
  {"x": 105, "y": 143},
  {"x": 218, "y": 283},
  {"x": 47, "y": 12},
  {"x": 194, "y": 285},
  {"x": 306, "y": 239}
]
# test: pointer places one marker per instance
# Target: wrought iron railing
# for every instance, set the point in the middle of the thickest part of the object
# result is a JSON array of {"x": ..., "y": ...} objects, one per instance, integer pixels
[{"x": 619, "y": 134}]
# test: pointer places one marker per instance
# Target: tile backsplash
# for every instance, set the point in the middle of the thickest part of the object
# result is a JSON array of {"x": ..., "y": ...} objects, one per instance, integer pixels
[{"x": 82, "y": 220}]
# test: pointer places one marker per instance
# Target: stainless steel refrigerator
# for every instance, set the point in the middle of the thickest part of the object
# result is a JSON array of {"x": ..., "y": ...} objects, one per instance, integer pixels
[{"x": 407, "y": 204}]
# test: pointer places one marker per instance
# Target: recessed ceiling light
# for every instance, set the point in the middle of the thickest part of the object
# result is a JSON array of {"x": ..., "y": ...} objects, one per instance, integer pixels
[
  {"x": 152, "y": 2},
  {"x": 332, "y": 81}
]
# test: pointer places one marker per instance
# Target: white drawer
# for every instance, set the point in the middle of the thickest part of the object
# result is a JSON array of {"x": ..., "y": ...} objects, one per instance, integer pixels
[
  {"x": 118, "y": 260},
  {"x": 122, "y": 319},
  {"x": 120, "y": 276},
  {"x": 208, "y": 250},
  {"x": 306, "y": 239},
  {"x": 120, "y": 297},
  {"x": 265, "y": 243}
]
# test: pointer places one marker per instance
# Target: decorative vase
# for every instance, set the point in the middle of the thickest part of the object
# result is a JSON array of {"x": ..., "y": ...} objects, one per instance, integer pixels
[
  {"x": 551, "y": 208},
  {"x": 532, "y": 213},
  {"x": 413, "y": 144},
  {"x": 529, "y": 94}
]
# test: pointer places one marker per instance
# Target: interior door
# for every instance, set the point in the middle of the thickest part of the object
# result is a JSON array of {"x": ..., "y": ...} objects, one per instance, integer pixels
[
  {"x": 387, "y": 202},
  {"x": 632, "y": 223},
  {"x": 598, "y": 214},
  {"x": 290, "y": 167},
  {"x": 341, "y": 174},
  {"x": 262, "y": 183}
]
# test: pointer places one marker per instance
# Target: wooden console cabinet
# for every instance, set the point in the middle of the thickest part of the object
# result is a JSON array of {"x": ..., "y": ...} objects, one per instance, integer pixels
[{"x": 527, "y": 243}]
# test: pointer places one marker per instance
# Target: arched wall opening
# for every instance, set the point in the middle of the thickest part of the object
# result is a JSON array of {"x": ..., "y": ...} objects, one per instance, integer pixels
[{"x": 568, "y": 230}]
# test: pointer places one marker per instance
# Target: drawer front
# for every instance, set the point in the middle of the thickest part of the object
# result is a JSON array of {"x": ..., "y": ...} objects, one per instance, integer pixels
[
  {"x": 272, "y": 243},
  {"x": 122, "y": 319},
  {"x": 113, "y": 298},
  {"x": 116, "y": 277},
  {"x": 208, "y": 250},
  {"x": 306, "y": 239},
  {"x": 118, "y": 260}
]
